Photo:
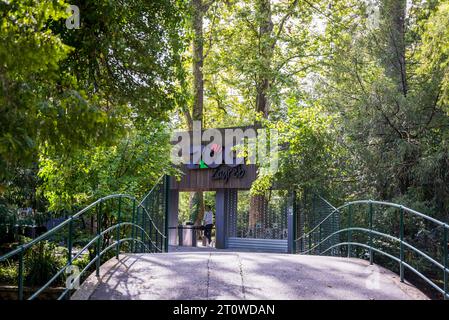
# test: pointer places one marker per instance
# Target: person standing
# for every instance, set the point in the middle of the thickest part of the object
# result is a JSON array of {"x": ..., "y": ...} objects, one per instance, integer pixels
[{"x": 208, "y": 224}]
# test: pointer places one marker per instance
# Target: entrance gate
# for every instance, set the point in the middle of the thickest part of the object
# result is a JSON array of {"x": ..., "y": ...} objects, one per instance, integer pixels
[
  {"x": 236, "y": 229},
  {"x": 266, "y": 230}
]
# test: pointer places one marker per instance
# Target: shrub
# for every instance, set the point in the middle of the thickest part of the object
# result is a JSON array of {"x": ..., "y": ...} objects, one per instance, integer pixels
[
  {"x": 8, "y": 274},
  {"x": 42, "y": 262}
]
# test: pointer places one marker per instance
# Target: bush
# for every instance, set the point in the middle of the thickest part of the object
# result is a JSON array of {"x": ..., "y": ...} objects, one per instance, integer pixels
[
  {"x": 81, "y": 262},
  {"x": 42, "y": 262},
  {"x": 8, "y": 274}
]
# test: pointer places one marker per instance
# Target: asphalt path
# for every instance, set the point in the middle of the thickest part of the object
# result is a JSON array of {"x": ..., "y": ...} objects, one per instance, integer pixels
[{"x": 213, "y": 274}]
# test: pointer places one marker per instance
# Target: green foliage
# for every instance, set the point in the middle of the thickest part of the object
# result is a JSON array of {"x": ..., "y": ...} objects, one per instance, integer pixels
[
  {"x": 81, "y": 263},
  {"x": 42, "y": 106},
  {"x": 127, "y": 53},
  {"x": 7, "y": 215},
  {"x": 388, "y": 111},
  {"x": 65, "y": 92},
  {"x": 132, "y": 167},
  {"x": 8, "y": 273},
  {"x": 43, "y": 262},
  {"x": 195, "y": 206},
  {"x": 184, "y": 207},
  {"x": 30, "y": 54},
  {"x": 7, "y": 221},
  {"x": 235, "y": 62},
  {"x": 434, "y": 52},
  {"x": 310, "y": 156}
]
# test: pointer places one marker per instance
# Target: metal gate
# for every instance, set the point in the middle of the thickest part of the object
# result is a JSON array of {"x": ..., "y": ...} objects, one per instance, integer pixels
[
  {"x": 264, "y": 229},
  {"x": 311, "y": 211}
]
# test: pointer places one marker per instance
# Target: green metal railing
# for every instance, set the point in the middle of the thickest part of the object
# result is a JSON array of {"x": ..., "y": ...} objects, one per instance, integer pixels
[
  {"x": 137, "y": 224},
  {"x": 357, "y": 236},
  {"x": 314, "y": 209}
]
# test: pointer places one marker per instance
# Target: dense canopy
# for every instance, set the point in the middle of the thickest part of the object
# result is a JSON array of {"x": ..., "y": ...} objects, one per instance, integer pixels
[{"x": 359, "y": 91}]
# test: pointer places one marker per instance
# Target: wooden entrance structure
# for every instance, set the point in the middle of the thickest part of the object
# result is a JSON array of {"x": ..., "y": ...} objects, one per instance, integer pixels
[{"x": 226, "y": 181}]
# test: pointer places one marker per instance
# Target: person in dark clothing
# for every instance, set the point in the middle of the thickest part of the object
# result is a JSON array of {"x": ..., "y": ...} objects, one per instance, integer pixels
[{"x": 208, "y": 224}]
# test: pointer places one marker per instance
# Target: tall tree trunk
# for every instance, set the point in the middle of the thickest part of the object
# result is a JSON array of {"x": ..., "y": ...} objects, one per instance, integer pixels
[
  {"x": 259, "y": 203},
  {"x": 265, "y": 55},
  {"x": 198, "y": 9},
  {"x": 393, "y": 16},
  {"x": 198, "y": 60}
]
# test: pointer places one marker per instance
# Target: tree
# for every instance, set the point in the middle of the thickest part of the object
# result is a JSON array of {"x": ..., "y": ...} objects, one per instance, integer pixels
[
  {"x": 29, "y": 55},
  {"x": 434, "y": 53},
  {"x": 67, "y": 92},
  {"x": 252, "y": 63},
  {"x": 127, "y": 53},
  {"x": 393, "y": 14},
  {"x": 131, "y": 166},
  {"x": 198, "y": 10},
  {"x": 391, "y": 119}
]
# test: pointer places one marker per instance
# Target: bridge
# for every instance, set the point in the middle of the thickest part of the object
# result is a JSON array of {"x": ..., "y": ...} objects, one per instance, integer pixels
[
  {"x": 332, "y": 255},
  {"x": 230, "y": 275}
]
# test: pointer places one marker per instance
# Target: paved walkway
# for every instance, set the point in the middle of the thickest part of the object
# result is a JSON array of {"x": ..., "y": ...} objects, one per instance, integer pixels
[{"x": 214, "y": 274}]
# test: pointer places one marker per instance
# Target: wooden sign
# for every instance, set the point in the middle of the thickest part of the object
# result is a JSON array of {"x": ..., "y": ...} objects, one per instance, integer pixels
[{"x": 201, "y": 177}]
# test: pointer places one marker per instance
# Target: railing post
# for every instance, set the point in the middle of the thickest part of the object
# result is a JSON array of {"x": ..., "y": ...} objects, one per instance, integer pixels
[
  {"x": 150, "y": 236},
  {"x": 146, "y": 215},
  {"x": 97, "y": 262},
  {"x": 401, "y": 234},
  {"x": 70, "y": 241},
  {"x": 314, "y": 217},
  {"x": 143, "y": 216},
  {"x": 20, "y": 280},
  {"x": 133, "y": 227},
  {"x": 310, "y": 243},
  {"x": 136, "y": 235},
  {"x": 333, "y": 229},
  {"x": 370, "y": 232},
  {"x": 167, "y": 190},
  {"x": 295, "y": 222},
  {"x": 118, "y": 227},
  {"x": 320, "y": 235},
  {"x": 137, "y": 246},
  {"x": 349, "y": 229},
  {"x": 155, "y": 243},
  {"x": 445, "y": 263}
]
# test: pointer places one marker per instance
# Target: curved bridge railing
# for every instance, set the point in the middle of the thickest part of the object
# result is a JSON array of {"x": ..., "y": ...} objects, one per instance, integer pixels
[
  {"x": 409, "y": 239},
  {"x": 117, "y": 221}
]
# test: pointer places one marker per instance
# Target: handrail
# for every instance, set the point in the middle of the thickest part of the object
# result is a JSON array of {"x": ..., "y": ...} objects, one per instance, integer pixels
[
  {"x": 408, "y": 245},
  {"x": 326, "y": 202},
  {"x": 50, "y": 232},
  {"x": 317, "y": 226},
  {"x": 427, "y": 280},
  {"x": 145, "y": 238},
  {"x": 395, "y": 205},
  {"x": 152, "y": 222},
  {"x": 141, "y": 205},
  {"x": 94, "y": 260},
  {"x": 151, "y": 190},
  {"x": 402, "y": 243},
  {"x": 63, "y": 269}
]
